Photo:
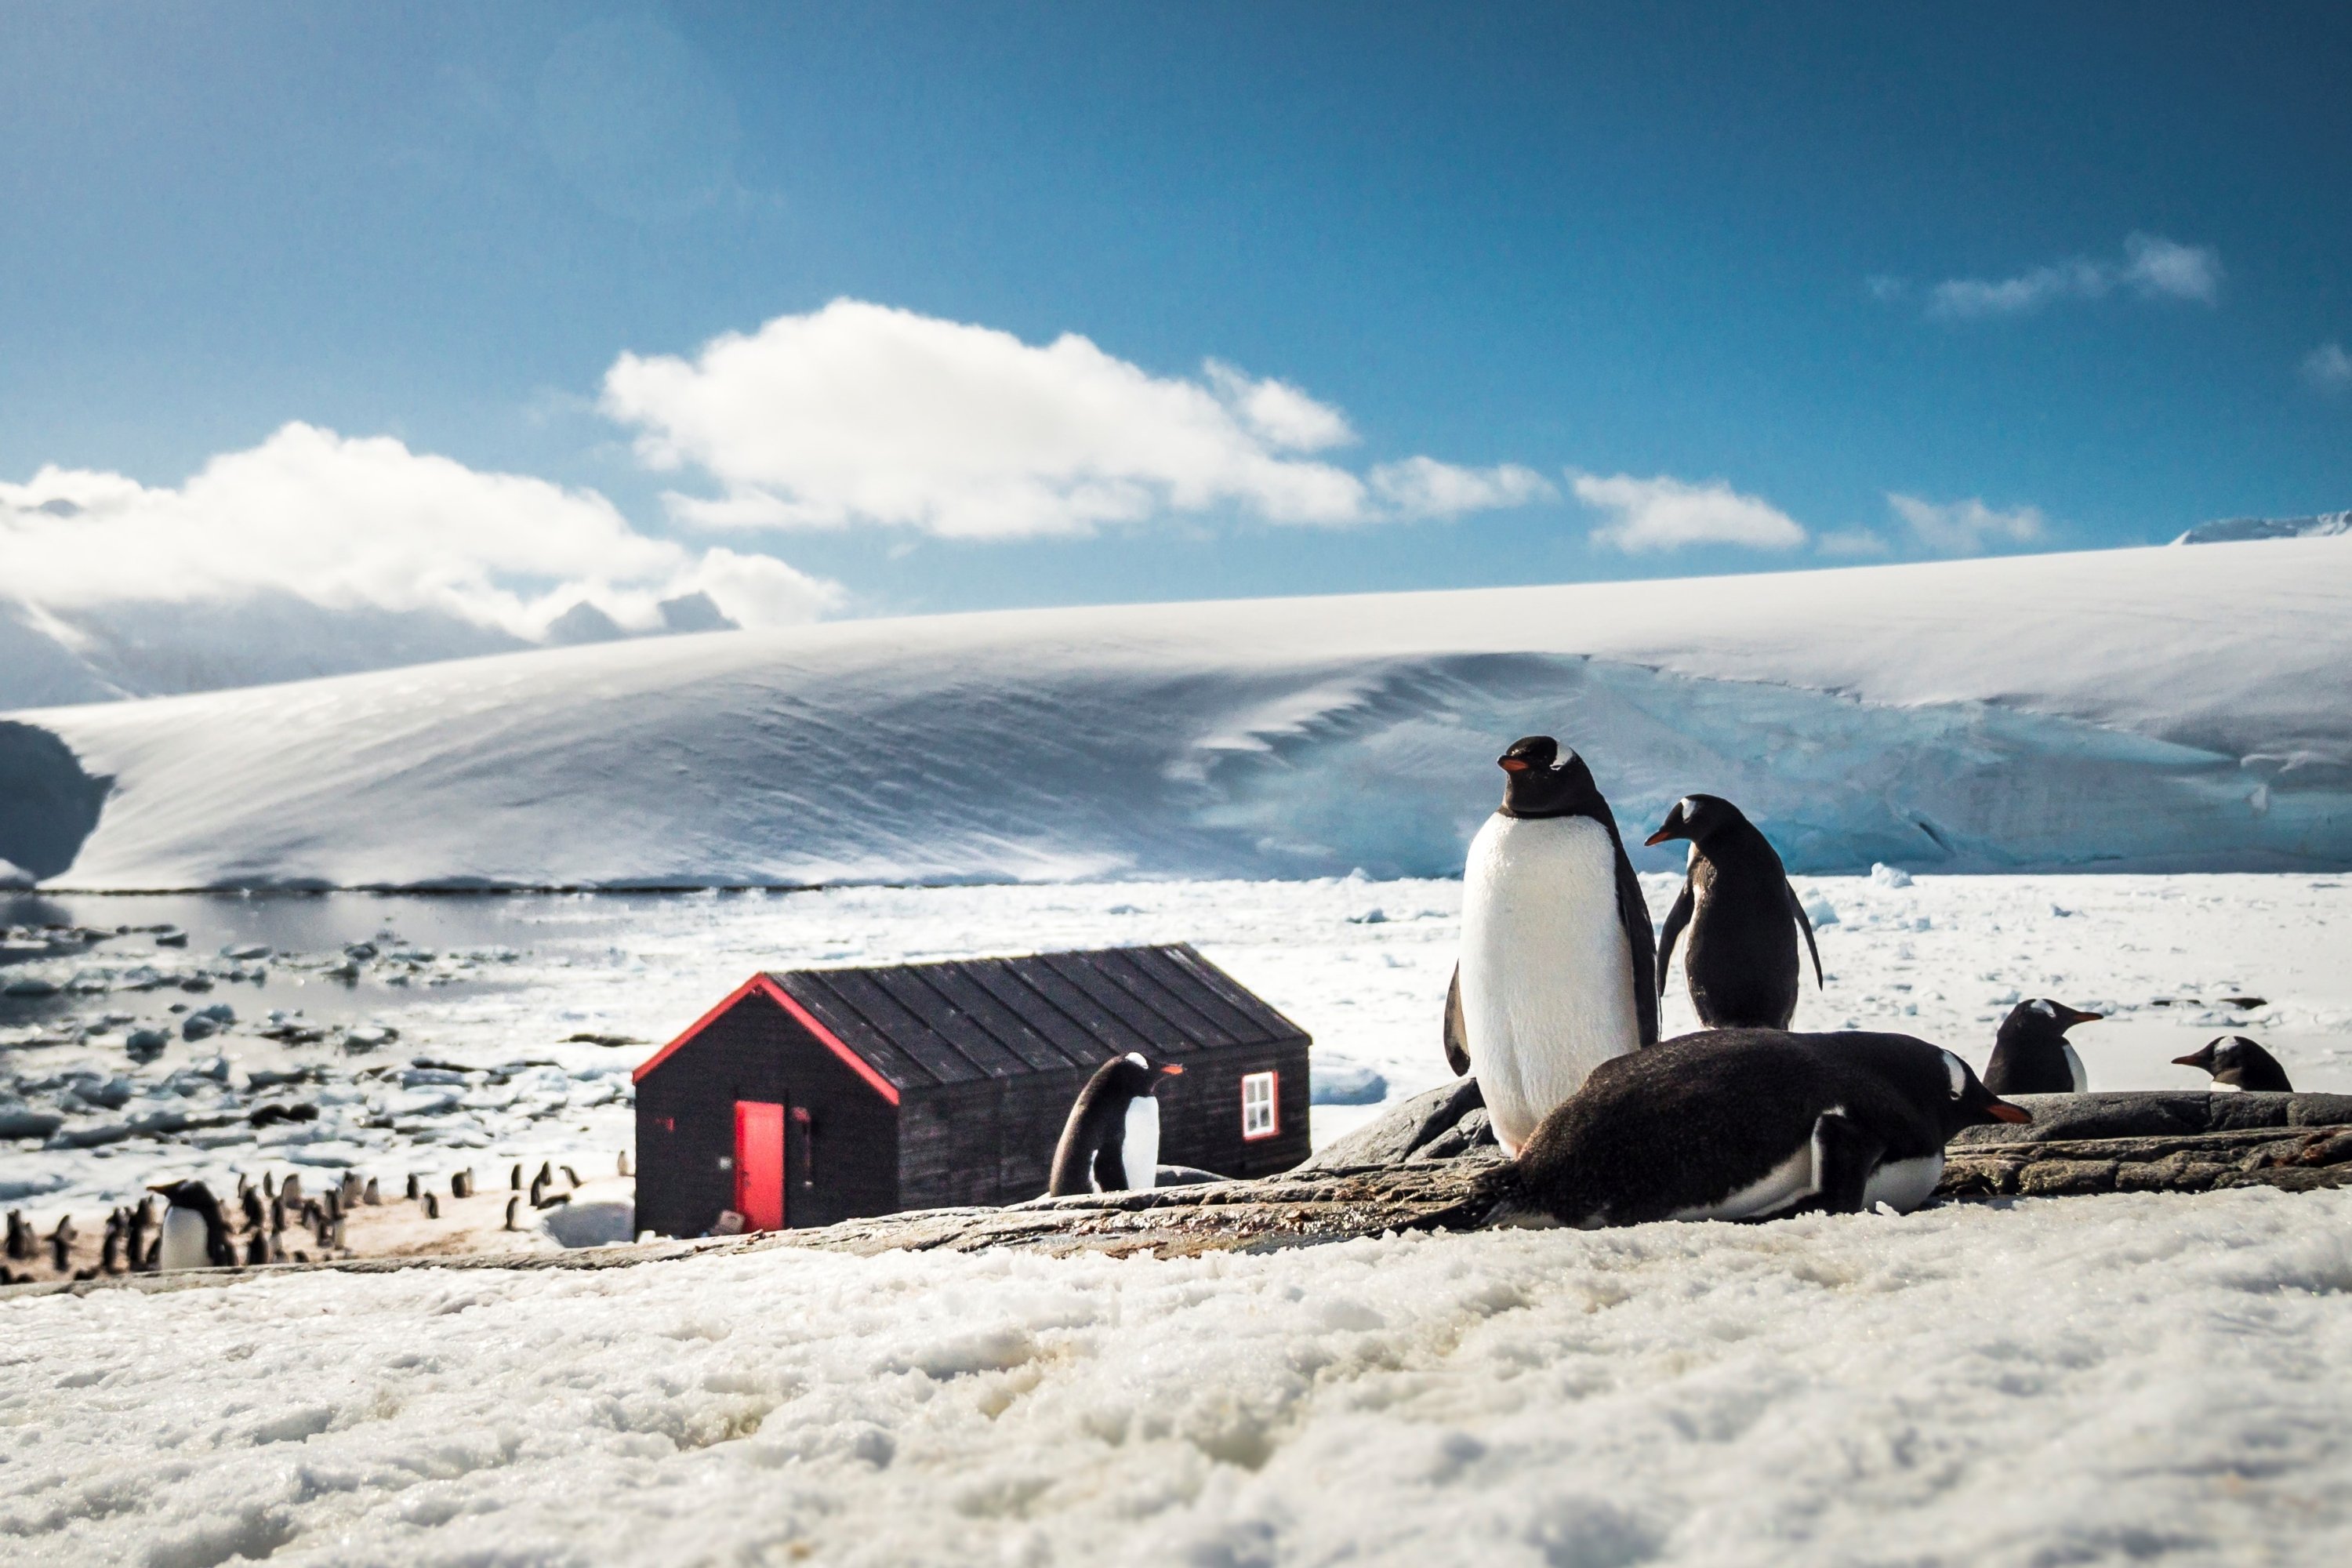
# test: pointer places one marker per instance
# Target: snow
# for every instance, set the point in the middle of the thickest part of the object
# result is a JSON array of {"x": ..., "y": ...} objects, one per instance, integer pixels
[
  {"x": 470, "y": 1034},
  {"x": 2126, "y": 1378},
  {"x": 2158, "y": 708}
]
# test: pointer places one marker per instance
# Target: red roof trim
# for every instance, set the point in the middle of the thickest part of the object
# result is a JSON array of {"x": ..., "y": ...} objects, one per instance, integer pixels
[{"x": 800, "y": 1015}]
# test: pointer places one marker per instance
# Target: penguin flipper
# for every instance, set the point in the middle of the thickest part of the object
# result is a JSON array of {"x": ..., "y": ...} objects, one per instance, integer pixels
[
  {"x": 1110, "y": 1161},
  {"x": 1677, "y": 918},
  {"x": 1805, "y": 922},
  {"x": 1641, "y": 940},
  {"x": 1843, "y": 1157},
  {"x": 1457, "y": 1031}
]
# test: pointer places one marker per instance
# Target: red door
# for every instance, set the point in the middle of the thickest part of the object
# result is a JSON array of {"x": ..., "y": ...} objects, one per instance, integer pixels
[{"x": 760, "y": 1164}]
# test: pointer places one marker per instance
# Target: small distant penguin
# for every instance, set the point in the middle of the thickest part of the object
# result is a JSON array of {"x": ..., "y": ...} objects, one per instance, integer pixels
[
  {"x": 570, "y": 1177},
  {"x": 278, "y": 1214},
  {"x": 514, "y": 1210},
  {"x": 136, "y": 1225},
  {"x": 515, "y": 1181},
  {"x": 1559, "y": 962},
  {"x": 61, "y": 1242},
  {"x": 1113, "y": 1134},
  {"x": 257, "y": 1249},
  {"x": 256, "y": 1217},
  {"x": 352, "y": 1190},
  {"x": 334, "y": 1206},
  {"x": 416, "y": 1187},
  {"x": 1741, "y": 963},
  {"x": 268, "y": 1185},
  {"x": 371, "y": 1195},
  {"x": 291, "y": 1189},
  {"x": 539, "y": 1191},
  {"x": 624, "y": 1169},
  {"x": 546, "y": 1177},
  {"x": 20, "y": 1243},
  {"x": 110, "y": 1250},
  {"x": 461, "y": 1184},
  {"x": 194, "y": 1236},
  {"x": 2032, "y": 1055},
  {"x": 2241, "y": 1063},
  {"x": 432, "y": 1206},
  {"x": 1751, "y": 1125}
]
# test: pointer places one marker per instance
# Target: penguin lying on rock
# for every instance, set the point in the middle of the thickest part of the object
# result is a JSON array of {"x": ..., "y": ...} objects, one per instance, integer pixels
[
  {"x": 1557, "y": 957},
  {"x": 1742, "y": 963},
  {"x": 1113, "y": 1132},
  {"x": 2031, "y": 1054},
  {"x": 2239, "y": 1062},
  {"x": 1750, "y": 1125}
]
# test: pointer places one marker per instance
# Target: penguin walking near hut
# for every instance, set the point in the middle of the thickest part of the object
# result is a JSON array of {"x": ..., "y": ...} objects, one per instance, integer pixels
[
  {"x": 194, "y": 1234},
  {"x": 2240, "y": 1063},
  {"x": 1752, "y": 1124},
  {"x": 1559, "y": 962},
  {"x": 1111, "y": 1141},
  {"x": 1741, "y": 960},
  {"x": 2032, "y": 1054}
]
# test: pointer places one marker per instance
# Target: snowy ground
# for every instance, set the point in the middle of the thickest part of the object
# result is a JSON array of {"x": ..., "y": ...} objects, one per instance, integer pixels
[
  {"x": 2140, "y": 1378},
  {"x": 482, "y": 993}
]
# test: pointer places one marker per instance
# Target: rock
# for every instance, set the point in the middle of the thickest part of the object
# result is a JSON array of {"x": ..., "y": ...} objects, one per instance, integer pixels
[
  {"x": 30, "y": 985},
  {"x": 18, "y": 1120},
  {"x": 2058, "y": 1118},
  {"x": 1474, "y": 1131},
  {"x": 145, "y": 1045},
  {"x": 1390, "y": 1139},
  {"x": 1172, "y": 1175}
]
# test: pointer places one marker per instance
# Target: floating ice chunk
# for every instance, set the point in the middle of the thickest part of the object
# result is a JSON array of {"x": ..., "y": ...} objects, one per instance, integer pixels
[
  {"x": 1817, "y": 909},
  {"x": 1338, "y": 1081},
  {"x": 1884, "y": 876}
]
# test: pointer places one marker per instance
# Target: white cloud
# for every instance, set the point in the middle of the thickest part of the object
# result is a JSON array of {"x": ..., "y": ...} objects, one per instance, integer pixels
[
  {"x": 1851, "y": 542},
  {"x": 862, "y": 414},
  {"x": 2328, "y": 367},
  {"x": 1966, "y": 527},
  {"x": 2152, "y": 266},
  {"x": 353, "y": 522},
  {"x": 1424, "y": 487},
  {"x": 1665, "y": 514}
]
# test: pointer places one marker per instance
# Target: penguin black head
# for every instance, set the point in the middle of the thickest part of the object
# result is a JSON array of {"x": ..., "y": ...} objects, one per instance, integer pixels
[
  {"x": 187, "y": 1196},
  {"x": 1545, "y": 781},
  {"x": 2237, "y": 1060},
  {"x": 1969, "y": 1104},
  {"x": 2042, "y": 1019},
  {"x": 1133, "y": 1075},
  {"x": 1698, "y": 817}
]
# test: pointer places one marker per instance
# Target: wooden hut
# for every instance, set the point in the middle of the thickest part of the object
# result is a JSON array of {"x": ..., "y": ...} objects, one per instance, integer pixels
[{"x": 818, "y": 1095}]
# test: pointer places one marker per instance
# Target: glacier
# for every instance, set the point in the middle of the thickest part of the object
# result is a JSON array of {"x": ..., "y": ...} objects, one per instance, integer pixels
[{"x": 2151, "y": 708}]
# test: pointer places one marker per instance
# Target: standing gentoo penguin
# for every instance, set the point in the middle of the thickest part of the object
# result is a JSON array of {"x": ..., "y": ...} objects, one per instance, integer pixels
[
  {"x": 1558, "y": 958},
  {"x": 1741, "y": 963},
  {"x": 2237, "y": 1060},
  {"x": 2031, "y": 1054},
  {"x": 1113, "y": 1131},
  {"x": 194, "y": 1236},
  {"x": 1751, "y": 1125}
]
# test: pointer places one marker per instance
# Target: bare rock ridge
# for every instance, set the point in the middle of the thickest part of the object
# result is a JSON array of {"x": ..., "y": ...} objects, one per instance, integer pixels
[
  {"x": 2239, "y": 530},
  {"x": 2078, "y": 1144}
]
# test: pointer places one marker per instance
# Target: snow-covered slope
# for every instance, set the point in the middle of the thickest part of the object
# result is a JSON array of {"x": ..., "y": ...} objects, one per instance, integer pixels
[
  {"x": 2140, "y": 1378},
  {"x": 2154, "y": 708}
]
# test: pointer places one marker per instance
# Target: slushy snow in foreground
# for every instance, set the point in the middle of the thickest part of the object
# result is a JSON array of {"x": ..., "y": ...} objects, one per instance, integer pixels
[{"x": 2129, "y": 1378}]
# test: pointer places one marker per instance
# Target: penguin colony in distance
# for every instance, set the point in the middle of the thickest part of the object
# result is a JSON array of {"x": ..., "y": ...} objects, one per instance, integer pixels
[
  {"x": 2032, "y": 1054},
  {"x": 1741, "y": 960},
  {"x": 1746, "y": 1124},
  {"x": 1111, "y": 1141},
  {"x": 2239, "y": 1062},
  {"x": 1559, "y": 962}
]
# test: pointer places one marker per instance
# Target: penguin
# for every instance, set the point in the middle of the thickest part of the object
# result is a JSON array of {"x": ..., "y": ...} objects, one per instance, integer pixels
[
  {"x": 372, "y": 1195},
  {"x": 461, "y": 1184},
  {"x": 432, "y": 1204},
  {"x": 256, "y": 1248},
  {"x": 2031, "y": 1054},
  {"x": 20, "y": 1245},
  {"x": 570, "y": 1177},
  {"x": 1559, "y": 962},
  {"x": 515, "y": 1181},
  {"x": 1741, "y": 963},
  {"x": 2238, "y": 1061},
  {"x": 514, "y": 1210},
  {"x": 624, "y": 1164},
  {"x": 61, "y": 1241},
  {"x": 416, "y": 1187},
  {"x": 1113, "y": 1132},
  {"x": 256, "y": 1217},
  {"x": 194, "y": 1236},
  {"x": 141, "y": 1221},
  {"x": 110, "y": 1250},
  {"x": 1751, "y": 1125}
]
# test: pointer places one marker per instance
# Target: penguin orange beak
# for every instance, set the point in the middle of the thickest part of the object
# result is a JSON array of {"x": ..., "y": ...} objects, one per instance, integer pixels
[
  {"x": 2077, "y": 1016},
  {"x": 1171, "y": 1070},
  {"x": 1512, "y": 764},
  {"x": 2002, "y": 1111},
  {"x": 2196, "y": 1061},
  {"x": 1660, "y": 837}
]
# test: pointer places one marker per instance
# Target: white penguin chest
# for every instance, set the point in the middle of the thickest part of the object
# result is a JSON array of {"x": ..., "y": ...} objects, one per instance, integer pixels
[
  {"x": 1140, "y": 1142},
  {"x": 186, "y": 1244},
  {"x": 1546, "y": 969}
]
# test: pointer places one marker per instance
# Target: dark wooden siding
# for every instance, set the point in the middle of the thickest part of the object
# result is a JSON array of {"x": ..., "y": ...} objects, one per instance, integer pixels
[
  {"x": 685, "y": 1125},
  {"x": 1200, "y": 1113}
]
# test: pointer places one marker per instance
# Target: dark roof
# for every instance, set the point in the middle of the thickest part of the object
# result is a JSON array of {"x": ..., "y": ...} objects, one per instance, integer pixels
[{"x": 923, "y": 1024}]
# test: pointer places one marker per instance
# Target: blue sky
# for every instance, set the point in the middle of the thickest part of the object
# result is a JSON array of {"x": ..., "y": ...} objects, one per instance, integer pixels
[{"x": 1792, "y": 285}]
